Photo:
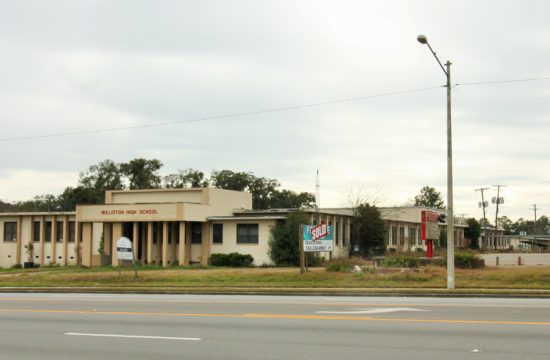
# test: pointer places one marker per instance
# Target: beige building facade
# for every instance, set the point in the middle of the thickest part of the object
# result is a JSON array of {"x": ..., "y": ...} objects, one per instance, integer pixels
[
  {"x": 38, "y": 237},
  {"x": 169, "y": 227}
]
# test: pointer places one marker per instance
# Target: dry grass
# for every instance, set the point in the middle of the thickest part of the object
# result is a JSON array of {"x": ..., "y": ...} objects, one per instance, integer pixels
[{"x": 180, "y": 278}]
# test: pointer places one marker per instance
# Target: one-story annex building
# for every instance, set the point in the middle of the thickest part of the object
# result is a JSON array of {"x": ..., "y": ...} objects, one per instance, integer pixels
[{"x": 176, "y": 226}]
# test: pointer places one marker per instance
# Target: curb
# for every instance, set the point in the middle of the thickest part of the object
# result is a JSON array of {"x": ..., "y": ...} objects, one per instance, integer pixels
[{"x": 375, "y": 292}]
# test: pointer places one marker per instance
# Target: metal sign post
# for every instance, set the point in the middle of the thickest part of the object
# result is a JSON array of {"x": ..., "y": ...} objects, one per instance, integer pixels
[{"x": 301, "y": 246}]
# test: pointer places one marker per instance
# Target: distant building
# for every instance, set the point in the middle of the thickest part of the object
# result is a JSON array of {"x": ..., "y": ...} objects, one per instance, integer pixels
[{"x": 404, "y": 228}]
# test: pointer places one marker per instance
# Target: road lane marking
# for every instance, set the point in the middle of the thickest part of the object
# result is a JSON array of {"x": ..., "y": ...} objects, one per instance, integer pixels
[
  {"x": 370, "y": 311},
  {"x": 280, "y": 316},
  {"x": 135, "y": 336}
]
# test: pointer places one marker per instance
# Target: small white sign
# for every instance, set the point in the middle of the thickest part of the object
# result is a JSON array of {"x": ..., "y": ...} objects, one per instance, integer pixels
[{"x": 124, "y": 249}]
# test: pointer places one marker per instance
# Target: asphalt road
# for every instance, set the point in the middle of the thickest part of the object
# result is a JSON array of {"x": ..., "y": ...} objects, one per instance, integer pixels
[{"x": 97, "y": 326}]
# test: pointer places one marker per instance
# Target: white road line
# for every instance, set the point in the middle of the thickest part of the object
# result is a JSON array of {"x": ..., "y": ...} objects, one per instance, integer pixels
[
  {"x": 135, "y": 336},
  {"x": 370, "y": 311}
]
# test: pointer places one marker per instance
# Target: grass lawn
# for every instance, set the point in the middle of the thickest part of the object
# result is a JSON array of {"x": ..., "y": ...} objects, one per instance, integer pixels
[{"x": 274, "y": 278}]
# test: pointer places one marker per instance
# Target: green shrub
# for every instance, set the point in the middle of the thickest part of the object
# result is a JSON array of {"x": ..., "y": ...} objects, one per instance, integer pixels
[
  {"x": 339, "y": 265},
  {"x": 404, "y": 261},
  {"x": 468, "y": 260},
  {"x": 231, "y": 260}
]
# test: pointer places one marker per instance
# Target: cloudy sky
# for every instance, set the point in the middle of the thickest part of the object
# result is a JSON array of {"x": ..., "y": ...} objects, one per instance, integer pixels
[{"x": 88, "y": 66}]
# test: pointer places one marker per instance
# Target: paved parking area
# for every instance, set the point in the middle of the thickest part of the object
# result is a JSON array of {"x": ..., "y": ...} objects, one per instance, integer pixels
[{"x": 511, "y": 259}]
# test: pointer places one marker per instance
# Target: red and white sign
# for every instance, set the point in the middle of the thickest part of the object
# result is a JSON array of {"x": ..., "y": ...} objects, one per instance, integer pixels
[
  {"x": 319, "y": 231},
  {"x": 430, "y": 227}
]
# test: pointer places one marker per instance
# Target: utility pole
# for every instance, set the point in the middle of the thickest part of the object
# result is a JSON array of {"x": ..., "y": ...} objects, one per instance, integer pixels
[
  {"x": 498, "y": 200},
  {"x": 483, "y": 204},
  {"x": 450, "y": 215},
  {"x": 535, "y": 228}
]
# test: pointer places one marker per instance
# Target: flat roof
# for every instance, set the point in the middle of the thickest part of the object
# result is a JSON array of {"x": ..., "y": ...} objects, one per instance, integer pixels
[
  {"x": 327, "y": 211},
  {"x": 228, "y": 218},
  {"x": 37, "y": 213}
]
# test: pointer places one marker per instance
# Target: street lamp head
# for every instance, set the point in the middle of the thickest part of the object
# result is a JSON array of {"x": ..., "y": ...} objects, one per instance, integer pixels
[{"x": 422, "y": 39}]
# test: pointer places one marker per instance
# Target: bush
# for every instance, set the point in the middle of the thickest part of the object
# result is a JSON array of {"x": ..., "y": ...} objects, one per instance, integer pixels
[
  {"x": 404, "y": 261},
  {"x": 231, "y": 260},
  {"x": 468, "y": 260},
  {"x": 339, "y": 265}
]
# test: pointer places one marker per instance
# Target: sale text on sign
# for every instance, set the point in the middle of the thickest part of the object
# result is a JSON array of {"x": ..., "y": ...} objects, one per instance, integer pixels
[{"x": 318, "y": 237}]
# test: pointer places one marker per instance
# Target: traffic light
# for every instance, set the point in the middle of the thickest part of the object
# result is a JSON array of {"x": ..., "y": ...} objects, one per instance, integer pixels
[{"x": 442, "y": 219}]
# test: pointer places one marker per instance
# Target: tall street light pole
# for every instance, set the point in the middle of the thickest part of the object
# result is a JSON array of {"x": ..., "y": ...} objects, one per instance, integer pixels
[{"x": 450, "y": 222}]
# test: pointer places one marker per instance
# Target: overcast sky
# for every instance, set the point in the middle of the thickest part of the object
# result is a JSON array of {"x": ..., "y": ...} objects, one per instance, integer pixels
[{"x": 72, "y": 66}]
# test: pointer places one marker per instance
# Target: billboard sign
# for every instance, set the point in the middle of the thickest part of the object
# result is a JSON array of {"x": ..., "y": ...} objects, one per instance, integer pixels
[
  {"x": 430, "y": 227},
  {"x": 318, "y": 237}
]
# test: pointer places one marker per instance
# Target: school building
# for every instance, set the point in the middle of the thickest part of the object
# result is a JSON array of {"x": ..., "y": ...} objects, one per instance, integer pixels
[{"x": 177, "y": 226}]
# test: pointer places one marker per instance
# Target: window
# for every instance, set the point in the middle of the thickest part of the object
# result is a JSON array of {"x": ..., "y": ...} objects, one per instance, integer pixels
[
  {"x": 343, "y": 234},
  {"x": 155, "y": 232},
  {"x": 196, "y": 233},
  {"x": 394, "y": 235},
  {"x": 48, "y": 228},
  {"x": 59, "y": 231},
  {"x": 336, "y": 234},
  {"x": 10, "y": 231},
  {"x": 247, "y": 233},
  {"x": 412, "y": 236},
  {"x": 36, "y": 231},
  {"x": 217, "y": 233},
  {"x": 401, "y": 236},
  {"x": 72, "y": 231}
]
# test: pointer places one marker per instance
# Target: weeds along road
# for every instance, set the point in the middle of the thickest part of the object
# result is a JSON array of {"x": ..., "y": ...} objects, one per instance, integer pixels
[{"x": 93, "y": 326}]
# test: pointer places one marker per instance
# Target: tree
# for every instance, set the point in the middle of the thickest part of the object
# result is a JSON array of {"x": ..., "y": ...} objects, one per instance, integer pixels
[
  {"x": 103, "y": 176},
  {"x": 79, "y": 195},
  {"x": 188, "y": 178},
  {"x": 485, "y": 223},
  {"x": 288, "y": 199},
  {"x": 142, "y": 173},
  {"x": 262, "y": 190},
  {"x": 472, "y": 232},
  {"x": 429, "y": 197},
  {"x": 229, "y": 180},
  {"x": 284, "y": 248},
  {"x": 371, "y": 230},
  {"x": 506, "y": 224},
  {"x": 522, "y": 225},
  {"x": 543, "y": 225},
  {"x": 45, "y": 202}
]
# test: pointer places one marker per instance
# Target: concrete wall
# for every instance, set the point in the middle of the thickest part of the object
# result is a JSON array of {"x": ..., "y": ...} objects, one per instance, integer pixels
[
  {"x": 155, "y": 196},
  {"x": 258, "y": 251},
  {"x": 44, "y": 252}
]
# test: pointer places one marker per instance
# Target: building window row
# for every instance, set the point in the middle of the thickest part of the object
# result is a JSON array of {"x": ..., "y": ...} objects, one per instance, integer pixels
[{"x": 48, "y": 231}]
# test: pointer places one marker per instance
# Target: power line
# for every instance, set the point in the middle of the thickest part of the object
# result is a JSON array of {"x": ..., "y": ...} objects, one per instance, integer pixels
[
  {"x": 218, "y": 117},
  {"x": 243, "y": 114},
  {"x": 502, "y": 81}
]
